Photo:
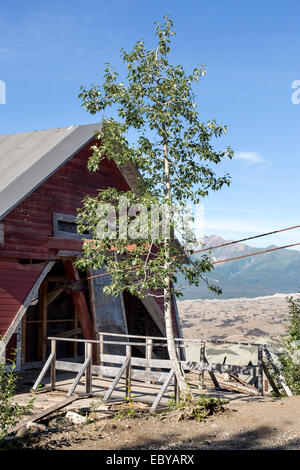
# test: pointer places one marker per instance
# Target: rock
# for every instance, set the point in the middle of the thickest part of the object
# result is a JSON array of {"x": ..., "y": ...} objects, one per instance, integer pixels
[{"x": 75, "y": 417}]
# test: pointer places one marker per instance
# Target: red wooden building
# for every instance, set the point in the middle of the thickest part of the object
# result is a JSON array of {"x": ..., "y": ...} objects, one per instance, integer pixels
[{"x": 43, "y": 179}]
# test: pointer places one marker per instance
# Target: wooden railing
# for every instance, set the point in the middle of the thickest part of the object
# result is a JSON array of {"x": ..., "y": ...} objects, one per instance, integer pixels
[{"x": 148, "y": 369}]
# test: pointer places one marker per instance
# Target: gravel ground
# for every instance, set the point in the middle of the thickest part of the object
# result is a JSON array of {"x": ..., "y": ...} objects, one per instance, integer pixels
[{"x": 259, "y": 423}]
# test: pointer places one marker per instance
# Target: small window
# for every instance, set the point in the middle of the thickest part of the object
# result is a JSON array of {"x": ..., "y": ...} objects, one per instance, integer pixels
[{"x": 64, "y": 226}]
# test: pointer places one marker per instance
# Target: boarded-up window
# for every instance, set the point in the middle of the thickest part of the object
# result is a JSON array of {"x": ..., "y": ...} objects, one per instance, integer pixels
[{"x": 64, "y": 226}]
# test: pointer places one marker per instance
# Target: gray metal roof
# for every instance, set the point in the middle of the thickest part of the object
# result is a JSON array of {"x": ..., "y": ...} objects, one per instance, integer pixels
[{"x": 28, "y": 159}]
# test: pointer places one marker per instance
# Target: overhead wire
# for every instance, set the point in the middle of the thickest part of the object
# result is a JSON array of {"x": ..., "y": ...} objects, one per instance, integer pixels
[{"x": 202, "y": 250}]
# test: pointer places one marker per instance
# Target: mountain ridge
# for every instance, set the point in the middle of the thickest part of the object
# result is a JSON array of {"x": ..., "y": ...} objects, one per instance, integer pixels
[{"x": 253, "y": 276}]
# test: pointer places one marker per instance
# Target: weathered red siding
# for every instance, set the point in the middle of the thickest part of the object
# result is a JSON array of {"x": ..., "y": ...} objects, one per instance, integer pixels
[
  {"x": 16, "y": 281},
  {"x": 29, "y": 227}
]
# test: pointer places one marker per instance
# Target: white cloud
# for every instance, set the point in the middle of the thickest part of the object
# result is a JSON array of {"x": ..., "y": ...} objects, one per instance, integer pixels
[
  {"x": 4, "y": 52},
  {"x": 252, "y": 157}
]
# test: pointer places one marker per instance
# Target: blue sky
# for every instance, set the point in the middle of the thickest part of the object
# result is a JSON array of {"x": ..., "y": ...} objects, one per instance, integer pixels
[{"x": 251, "y": 53}]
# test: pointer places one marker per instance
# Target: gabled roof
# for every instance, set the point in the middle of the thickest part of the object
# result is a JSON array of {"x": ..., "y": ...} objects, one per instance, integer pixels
[{"x": 28, "y": 159}]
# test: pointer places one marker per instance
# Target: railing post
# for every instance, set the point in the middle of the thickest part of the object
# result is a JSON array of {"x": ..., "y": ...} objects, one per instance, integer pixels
[
  {"x": 101, "y": 349},
  {"x": 260, "y": 385},
  {"x": 128, "y": 371},
  {"x": 176, "y": 385},
  {"x": 201, "y": 374},
  {"x": 88, "y": 372},
  {"x": 149, "y": 353},
  {"x": 53, "y": 364}
]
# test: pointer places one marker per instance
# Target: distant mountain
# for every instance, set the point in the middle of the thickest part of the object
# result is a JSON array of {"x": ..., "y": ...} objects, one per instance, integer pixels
[{"x": 254, "y": 276}]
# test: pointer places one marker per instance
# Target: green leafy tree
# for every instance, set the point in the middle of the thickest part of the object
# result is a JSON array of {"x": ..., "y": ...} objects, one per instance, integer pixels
[
  {"x": 174, "y": 156},
  {"x": 290, "y": 359}
]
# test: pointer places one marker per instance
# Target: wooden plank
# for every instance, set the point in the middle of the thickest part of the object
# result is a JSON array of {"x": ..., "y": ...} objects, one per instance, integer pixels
[
  {"x": 44, "y": 413},
  {"x": 260, "y": 386},
  {"x": 88, "y": 372},
  {"x": 138, "y": 361},
  {"x": 162, "y": 390},
  {"x": 244, "y": 383},
  {"x": 128, "y": 371},
  {"x": 276, "y": 369},
  {"x": 101, "y": 349},
  {"x": 270, "y": 379},
  {"x": 221, "y": 368},
  {"x": 53, "y": 295},
  {"x": 53, "y": 364},
  {"x": 106, "y": 371},
  {"x": 43, "y": 371},
  {"x": 65, "y": 243},
  {"x": 201, "y": 374},
  {"x": 68, "y": 366},
  {"x": 212, "y": 375},
  {"x": 149, "y": 352},
  {"x": 70, "y": 333},
  {"x": 186, "y": 340},
  {"x": 116, "y": 380},
  {"x": 78, "y": 376}
]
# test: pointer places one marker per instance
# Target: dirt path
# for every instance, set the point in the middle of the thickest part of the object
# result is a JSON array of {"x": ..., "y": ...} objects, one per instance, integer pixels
[{"x": 260, "y": 423}]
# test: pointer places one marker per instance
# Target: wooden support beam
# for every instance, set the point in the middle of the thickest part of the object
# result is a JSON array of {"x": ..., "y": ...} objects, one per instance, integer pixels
[
  {"x": 117, "y": 379},
  {"x": 43, "y": 371},
  {"x": 128, "y": 371},
  {"x": 51, "y": 296},
  {"x": 43, "y": 414},
  {"x": 78, "y": 376},
  {"x": 88, "y": 372},
  {"x": 42, "y": 316},
  {"x": 162, "y": 390},
  {"x": 70, "y": 333},
  {"x": 260, "y": 384},
  {"x": 149, "y": 352},
  {"x": 212, "y": 376},
  {"x": 53, "y": 368},
  {"x": 201, "y": 374},
  {"x": 276, "y": 369},
  {"x": 222, "y": 368},
  {"x": 270, "y": 379},
  {"x": 81, "y": 307}
]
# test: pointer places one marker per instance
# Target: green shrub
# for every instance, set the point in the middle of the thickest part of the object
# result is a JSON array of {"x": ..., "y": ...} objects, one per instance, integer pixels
[
  {"x": 290, "y": 358},
  {"x": 10, "y": 412},
  {"x": 197, "y": 408}
]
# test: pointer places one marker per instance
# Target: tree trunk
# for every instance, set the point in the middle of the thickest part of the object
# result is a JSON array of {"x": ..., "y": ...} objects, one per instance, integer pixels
[{"x": 175, "y": 361}]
